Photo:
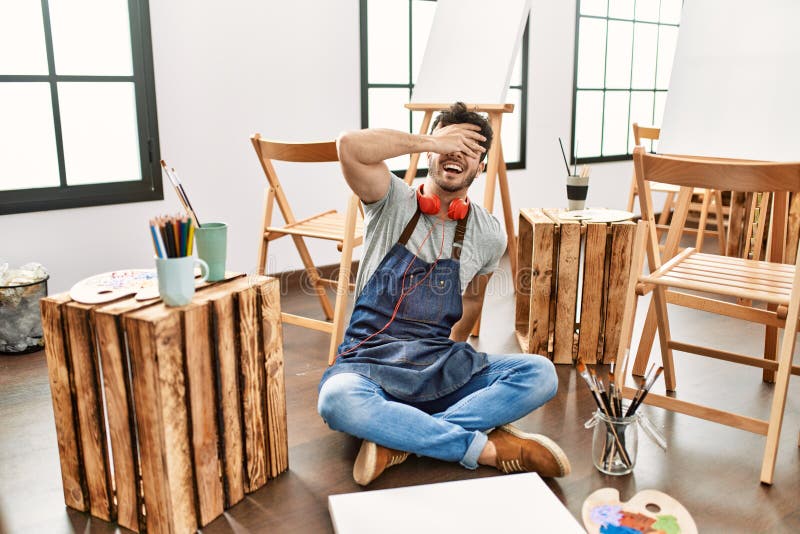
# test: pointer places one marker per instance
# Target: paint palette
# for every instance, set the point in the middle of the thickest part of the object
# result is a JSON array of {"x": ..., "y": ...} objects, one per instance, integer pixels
[
  {"x": 116, "y": 284},
  {"x": 649, "y": 511},
  {"x": 596, "y": 215}
]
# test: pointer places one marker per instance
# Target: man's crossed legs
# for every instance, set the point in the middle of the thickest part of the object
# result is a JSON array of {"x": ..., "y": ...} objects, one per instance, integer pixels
[{"x": 453, "y": 427}]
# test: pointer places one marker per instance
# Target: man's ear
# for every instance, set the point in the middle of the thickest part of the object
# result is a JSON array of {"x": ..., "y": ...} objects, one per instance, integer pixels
[
  {"x": 481, "y": 167},
  {"x": 429, "y": 158}
]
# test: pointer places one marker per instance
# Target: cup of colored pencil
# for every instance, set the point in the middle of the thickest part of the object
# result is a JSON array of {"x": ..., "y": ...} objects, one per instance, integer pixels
[
  {"x": 615, "y": 423},
  {"x": 172, "y": 241}
]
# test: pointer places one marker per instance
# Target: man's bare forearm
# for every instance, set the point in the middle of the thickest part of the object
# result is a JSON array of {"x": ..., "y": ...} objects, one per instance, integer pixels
[
  {"x": 362, "y": 153},
  {"x": 471, "y": 311},
  {"x": 375, "y": 145}
]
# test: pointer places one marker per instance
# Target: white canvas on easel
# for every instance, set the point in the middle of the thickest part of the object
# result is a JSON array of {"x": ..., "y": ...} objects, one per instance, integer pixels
[
  {"x": 471, "y": 51},
  {"x": 734, "y": 86},
  {"x": 511, "y": 503}
]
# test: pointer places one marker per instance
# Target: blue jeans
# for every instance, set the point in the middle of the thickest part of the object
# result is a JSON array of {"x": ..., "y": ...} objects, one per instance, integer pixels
[{"x": 451, "y": 428}]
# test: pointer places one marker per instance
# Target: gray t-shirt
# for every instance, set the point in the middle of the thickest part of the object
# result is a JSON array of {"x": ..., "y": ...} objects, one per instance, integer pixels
[{"x": 384, "y": 220}]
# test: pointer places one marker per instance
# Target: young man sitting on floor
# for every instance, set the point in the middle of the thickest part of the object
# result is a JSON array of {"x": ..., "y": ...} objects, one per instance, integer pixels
[{"x": 405, "y": 380}]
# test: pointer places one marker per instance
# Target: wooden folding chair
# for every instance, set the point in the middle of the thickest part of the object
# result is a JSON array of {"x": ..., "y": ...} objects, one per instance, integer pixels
[
  {"x": 753, "y": 281},
  {"x": 651, "y": 133},
  {"x": 346, "y": 229}
]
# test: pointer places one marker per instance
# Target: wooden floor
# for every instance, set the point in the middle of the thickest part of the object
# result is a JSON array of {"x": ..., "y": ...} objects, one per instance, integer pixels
[{"x": 713, "y": 470}]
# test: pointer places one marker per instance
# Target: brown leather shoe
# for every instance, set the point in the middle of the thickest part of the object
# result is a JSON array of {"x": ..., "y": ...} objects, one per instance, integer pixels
[
  {"x": 518, "y": 451},
  {"x": 372, "y": 460}
]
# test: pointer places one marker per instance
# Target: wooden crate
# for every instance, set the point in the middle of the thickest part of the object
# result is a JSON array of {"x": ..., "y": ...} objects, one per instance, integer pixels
[
  {"x": 166, "y": 417},
  {"x": 557, "y": 261}
]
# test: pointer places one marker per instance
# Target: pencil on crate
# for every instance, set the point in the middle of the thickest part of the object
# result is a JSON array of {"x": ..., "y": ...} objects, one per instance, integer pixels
[
  {"x": 172, "y": 236},
  {"x": 156, "y": 244},
  {"x": 191, "y": 239},
  {"x": 184, "y": 223},
  {"x": 176, "y": 235}
]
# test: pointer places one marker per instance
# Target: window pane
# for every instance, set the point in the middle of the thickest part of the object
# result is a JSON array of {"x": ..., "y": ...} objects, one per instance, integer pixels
[
  {"x": 591, "y": 52},
  {"x": 588, "y": 122},
  {"x": 28, "y": 155},
  {"x": 422, "y": 12},
  {"x": 594, "y": 7},
  {"x": 618, "y": 57},
  {"x": 671, "y": 11},
  {"x": 647, "y": 10},
  {"x": 645, "y": 39},
  {"x": 22, "y": 30},
  {"x": 641, "y": 112},
  {"x": 667, "y": 40},
  {"x": 510, "y": 132},
  {"x": 621, "y": 9},
  {"x": 386, "y": 111},
  {"x": 91, "y": 37},
  {"x": 387, "y": 37},
  {"x": 98, "y": 125},
  {"x": 615, "y": 123}
]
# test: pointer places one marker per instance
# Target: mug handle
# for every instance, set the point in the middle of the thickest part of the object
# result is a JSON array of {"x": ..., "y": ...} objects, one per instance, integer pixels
[{"x": 203, "y": 269}]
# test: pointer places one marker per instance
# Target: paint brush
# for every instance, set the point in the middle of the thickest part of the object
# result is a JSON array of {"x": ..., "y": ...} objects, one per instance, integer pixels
[
  {"x": 640, "y": 390},
  {"x": 598, "y": 384},
  {"x": 581, "y": 367},
  {"x": 613, "y": 394},
  {"x": 180, "y": 191},
  {"x": 635, "y": 405},
  {"x": 565, "y": 155},
  {"x": 191, "y": 211}
]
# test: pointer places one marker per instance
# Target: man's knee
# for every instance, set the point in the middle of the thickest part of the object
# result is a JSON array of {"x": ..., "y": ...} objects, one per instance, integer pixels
[
  {"x": 340, "y": 399},
  {"x": 542, "y": 380}
]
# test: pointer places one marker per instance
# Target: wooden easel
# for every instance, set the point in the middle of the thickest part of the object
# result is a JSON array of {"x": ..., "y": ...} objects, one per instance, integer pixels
[{"x": 495, "y": 170}]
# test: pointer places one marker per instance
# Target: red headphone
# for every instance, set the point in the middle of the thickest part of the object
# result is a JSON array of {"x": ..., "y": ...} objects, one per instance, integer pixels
[{"x": 430, "y": 204}]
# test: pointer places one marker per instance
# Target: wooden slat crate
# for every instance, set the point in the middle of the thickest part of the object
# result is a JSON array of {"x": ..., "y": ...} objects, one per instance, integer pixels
[
  {"x": 166, "y": 417},
  {"x": 558, "y": 260}
]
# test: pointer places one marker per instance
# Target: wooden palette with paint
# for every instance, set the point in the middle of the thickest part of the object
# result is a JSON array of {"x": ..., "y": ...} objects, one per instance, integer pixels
[
  {"x": 648, "y": 512},
  {"x": 113, "y": 285}
]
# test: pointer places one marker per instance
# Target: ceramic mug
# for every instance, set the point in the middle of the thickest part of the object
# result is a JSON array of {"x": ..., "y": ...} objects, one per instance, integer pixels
[
  {"x": 212, "y": 244},
  {"x": 176, "y": 279}
]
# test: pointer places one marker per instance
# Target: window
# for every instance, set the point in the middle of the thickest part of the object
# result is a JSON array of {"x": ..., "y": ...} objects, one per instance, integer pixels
[
  {"x": 623, "y": 60},
  {"x": 393, "y": 38},
  {"x": 77, "y": 105}
]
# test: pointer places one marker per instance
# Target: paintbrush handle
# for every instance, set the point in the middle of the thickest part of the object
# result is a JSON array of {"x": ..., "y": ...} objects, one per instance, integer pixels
[{"x": 622, "y": 452}]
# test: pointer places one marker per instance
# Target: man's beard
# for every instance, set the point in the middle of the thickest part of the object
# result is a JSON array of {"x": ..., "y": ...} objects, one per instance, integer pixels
[{"x": 453, "y": 188}]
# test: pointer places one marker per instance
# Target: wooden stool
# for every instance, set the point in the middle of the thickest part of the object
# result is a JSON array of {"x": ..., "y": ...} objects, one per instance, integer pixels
[
  {"x": 554, "y": 254},
  {"x": 192, "y": 402}
]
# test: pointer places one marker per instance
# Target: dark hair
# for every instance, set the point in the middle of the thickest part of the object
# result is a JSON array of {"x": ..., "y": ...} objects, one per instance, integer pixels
[{"x": 458, "y": 114}]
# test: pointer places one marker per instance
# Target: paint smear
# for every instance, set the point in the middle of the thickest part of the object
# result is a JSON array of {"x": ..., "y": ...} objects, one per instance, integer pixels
[{"x": 667, "y": 523}]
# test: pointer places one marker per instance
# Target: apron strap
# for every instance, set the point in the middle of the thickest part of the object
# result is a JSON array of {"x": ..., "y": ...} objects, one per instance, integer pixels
[
  {"x": 409, "y": 229},
  {"x": 458, "y": 239}
]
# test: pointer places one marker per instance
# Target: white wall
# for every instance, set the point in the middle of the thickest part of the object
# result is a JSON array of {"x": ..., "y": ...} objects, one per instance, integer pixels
[{"x": 289, "y": 70}]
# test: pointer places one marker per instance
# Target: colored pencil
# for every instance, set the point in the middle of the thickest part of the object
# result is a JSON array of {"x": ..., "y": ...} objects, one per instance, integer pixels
[
  {"x": 191, "y": 240},
  {"x": 156, "y": 244}
]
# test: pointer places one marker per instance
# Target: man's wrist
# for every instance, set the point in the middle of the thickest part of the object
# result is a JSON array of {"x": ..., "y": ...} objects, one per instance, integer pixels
[{"x": 422, "y": 143}]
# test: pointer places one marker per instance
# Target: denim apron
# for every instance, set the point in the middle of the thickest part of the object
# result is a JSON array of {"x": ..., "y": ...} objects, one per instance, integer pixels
[{"x": 413, "y": 359}]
